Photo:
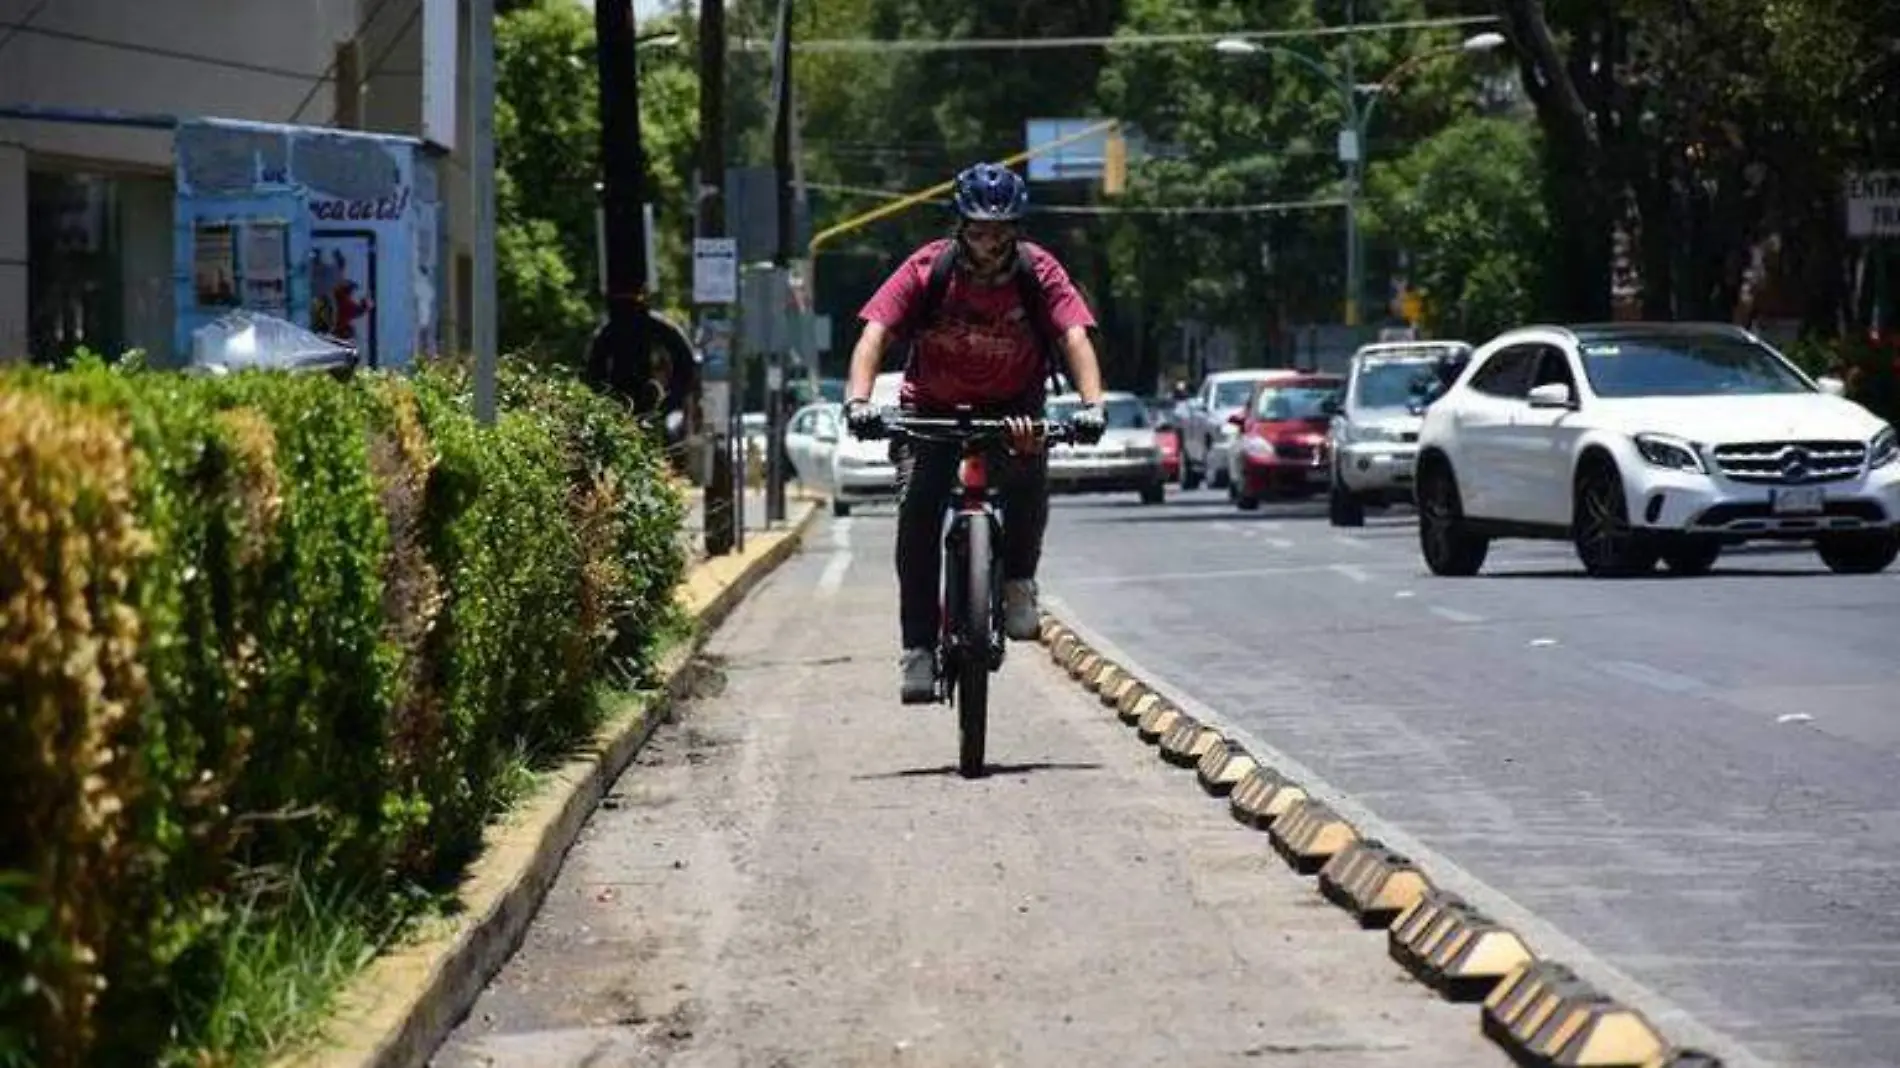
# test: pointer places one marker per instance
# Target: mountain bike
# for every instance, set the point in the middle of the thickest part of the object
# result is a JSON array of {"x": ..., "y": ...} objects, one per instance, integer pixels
[{"x": 970, "y": 640}]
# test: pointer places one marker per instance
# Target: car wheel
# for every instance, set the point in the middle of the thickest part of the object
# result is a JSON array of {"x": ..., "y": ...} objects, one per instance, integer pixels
[
  {"x": 1154, "y": 494},
  {"x": 1342, "y": 508},
  {"x": 1606, "y": 543},
  {"x": 1448, "y": 546},
  {"x": 840, "y": 508},
  {"x": 1860, "y": 553},
  {"x": 1190, "y": 475},
  {"x": 1692, "y": 556},
  {"x": 1246, "y": 503}
]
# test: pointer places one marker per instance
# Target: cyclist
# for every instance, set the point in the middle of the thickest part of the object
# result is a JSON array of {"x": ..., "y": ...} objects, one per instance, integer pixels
[{"x": 981, "y": 337}]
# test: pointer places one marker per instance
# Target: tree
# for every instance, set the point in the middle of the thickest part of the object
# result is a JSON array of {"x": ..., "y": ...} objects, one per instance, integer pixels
[
  {"x": 1466, "y": 206},
  {"x": 547, "y": 155}
]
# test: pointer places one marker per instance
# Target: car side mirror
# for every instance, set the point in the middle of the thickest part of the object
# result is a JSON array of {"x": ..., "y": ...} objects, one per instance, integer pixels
[
  {"x": 1553, "y": 395},
  {"x": 1832, "y": 386},
  {"x": 1331, "y": 406}
]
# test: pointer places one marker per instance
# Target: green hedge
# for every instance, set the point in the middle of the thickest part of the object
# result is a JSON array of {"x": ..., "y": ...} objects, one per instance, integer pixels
[{"x": 268, "y": 639}]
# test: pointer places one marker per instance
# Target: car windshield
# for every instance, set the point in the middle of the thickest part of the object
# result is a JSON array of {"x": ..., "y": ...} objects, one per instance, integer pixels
[
  {"x": 1392, "y": 383},
  {"x": 1686, "y": 366},
  {"x": 1294, "y": 402},
  {"x": 1233, "y": 393},
  {"x": 1121, "y": 413}
]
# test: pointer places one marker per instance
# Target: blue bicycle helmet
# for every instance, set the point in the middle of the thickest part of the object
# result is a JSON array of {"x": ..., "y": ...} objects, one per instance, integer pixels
[{"x": 991, "y": 192}]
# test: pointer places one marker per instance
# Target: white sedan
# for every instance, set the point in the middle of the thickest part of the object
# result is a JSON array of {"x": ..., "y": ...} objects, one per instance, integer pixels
[{"x": 1642, "y": 442}]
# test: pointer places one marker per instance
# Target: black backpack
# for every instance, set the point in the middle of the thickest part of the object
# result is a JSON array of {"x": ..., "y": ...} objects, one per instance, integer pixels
[{"x": 1028, "y": 290}]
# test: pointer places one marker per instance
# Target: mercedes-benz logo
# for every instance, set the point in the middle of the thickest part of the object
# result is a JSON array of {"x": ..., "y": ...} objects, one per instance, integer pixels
[{"x": 1794, "y": 464}]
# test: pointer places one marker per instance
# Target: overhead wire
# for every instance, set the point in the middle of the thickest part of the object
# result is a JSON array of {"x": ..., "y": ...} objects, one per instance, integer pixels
[{"x": 979, "y": 44}]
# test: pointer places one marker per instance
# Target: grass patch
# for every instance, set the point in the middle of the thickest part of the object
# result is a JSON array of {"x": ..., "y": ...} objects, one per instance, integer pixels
[{"x": 289, "y": 955}]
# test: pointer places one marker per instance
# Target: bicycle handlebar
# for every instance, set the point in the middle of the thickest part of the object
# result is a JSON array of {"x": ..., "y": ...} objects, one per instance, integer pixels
[{"x": 969, "y": 428}]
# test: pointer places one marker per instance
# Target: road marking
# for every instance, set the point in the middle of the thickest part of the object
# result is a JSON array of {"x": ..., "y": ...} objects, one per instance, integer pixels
[
  {"x": 1278, "y": 543},
  {"x": 1183, "y": 576},
  {"x": 1667, "y": 681},
  {"x": 1351, "y": 571},
  {"x": 1542, "y": 643},
  {"x": 1402, "y": 594},
  {"x": 1352, "y": 543},
  {"x": 1455, "y": 616},
  {"x": 1224, "y": 526},
  {"x": 1684, "y": 1028},
  {"x": 833, "y": 576},
  {"x": 840, "y": 562}
]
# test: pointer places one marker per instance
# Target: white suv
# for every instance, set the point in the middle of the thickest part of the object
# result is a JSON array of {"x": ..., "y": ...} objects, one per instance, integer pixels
[
  {"x": 1651, "y": 441},
  {"x": 1375, "y": 429}
]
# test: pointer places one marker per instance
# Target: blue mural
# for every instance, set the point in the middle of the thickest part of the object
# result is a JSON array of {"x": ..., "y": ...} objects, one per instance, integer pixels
[{"x": 335, "y": 230}]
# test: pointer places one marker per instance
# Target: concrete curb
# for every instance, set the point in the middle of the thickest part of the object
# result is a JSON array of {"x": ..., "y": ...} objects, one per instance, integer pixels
[
  {"x": 1536, "y": 1009},
  {"x": 401, "y": 1008}
]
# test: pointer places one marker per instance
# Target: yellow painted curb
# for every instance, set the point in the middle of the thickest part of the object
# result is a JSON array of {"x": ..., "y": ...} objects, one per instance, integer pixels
[
  {"x": 1263, "y": 796},
  {"x": 1453, "y": 948},
  {"x": 406, "y": 1002},
  {"x": 1135, "y": 704},
  {"x": 1159, "y": 720},
  {"x": 1104, "y": 677},
  {"x": 1224, "y": 766},
  {"x": 1063, "y": 648},
  {"x": 1373, "y": 882},
  {"x": 1185, "y": 746},
  {"x": 1310, "y": 834},
  {"x": 1086, "y": 661},
  {"x": 1543, "y": 1013}
]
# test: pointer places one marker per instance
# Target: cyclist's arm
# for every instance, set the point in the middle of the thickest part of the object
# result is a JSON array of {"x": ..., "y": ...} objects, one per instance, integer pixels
[
  {"x": 866, "y": 358},
  {"x": 1084, "y": 369}
]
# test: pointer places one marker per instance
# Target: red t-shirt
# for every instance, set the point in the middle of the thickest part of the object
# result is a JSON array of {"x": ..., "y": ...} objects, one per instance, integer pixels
[{"x": 980, "y": 350}]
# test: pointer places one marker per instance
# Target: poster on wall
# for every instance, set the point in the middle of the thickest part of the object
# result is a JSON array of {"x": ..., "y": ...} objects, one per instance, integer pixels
[
  {"x": 266, "y": 267},
  {"x": 214, "y": 265},
  {"x": 343, "y": 287}
]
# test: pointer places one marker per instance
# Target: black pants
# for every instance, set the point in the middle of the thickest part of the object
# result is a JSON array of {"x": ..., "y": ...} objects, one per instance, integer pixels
[{"x": 926, "y": 477}]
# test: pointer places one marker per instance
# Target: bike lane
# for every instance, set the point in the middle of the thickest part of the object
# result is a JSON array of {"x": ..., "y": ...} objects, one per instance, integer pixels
[{"x": 792, "y": 873}]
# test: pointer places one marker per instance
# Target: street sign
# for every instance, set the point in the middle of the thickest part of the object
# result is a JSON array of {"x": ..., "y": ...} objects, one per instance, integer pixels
[
  {"x": 715, "y": 270},
  {"x": 1873, "y": 204}
]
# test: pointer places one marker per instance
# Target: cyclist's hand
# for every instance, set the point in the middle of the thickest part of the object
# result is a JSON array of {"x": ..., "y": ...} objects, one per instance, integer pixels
[
  {"x": 1089, "y": 423},
  {"x": 866, "y": 422},
  {"x": 1025, "y": 437}
]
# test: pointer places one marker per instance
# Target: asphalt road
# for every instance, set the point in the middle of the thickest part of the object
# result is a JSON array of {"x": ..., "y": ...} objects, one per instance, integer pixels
[{"x": 1697, "y": 781}]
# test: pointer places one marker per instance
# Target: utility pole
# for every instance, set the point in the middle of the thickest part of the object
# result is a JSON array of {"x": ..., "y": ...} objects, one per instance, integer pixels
[
  {"x": 782, "y": 259},
  {"x": 724, "y": 523},
  {"x": 620, "y": 357},
  {"x": 481, "y": 46},
  {"x": 1351, "y": 152}
]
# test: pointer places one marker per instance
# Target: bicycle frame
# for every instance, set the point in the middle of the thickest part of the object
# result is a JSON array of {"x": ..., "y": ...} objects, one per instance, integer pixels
[{"x": 974, "y": 503}]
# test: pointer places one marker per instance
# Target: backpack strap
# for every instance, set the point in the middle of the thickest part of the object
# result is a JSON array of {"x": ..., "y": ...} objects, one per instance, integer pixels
[{"x": 1035, "y": 310}]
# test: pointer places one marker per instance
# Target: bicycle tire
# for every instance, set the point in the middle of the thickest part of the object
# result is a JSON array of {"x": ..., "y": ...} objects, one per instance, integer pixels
[{"x": 973, "y": 668}]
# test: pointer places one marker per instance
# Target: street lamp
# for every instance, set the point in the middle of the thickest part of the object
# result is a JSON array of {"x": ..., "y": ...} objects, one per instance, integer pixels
[{"x": 1353, "y": 134}]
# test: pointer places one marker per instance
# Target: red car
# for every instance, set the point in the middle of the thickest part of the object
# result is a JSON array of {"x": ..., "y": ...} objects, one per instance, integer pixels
[
  {"x": 1168, "y": 441},
  {"x": 1282, "y": 447}
]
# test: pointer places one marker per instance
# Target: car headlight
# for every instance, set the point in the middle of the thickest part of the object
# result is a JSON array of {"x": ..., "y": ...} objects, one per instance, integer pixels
[
  {"x": 1884, "y": 449},
  {"x": 1673, "y": 453},
  {"x": 1259, "y": 448},
  {"x": 1376, "y": 434}
]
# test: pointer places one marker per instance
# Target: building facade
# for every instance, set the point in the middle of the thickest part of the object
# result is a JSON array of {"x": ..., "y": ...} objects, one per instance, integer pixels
[{"x": 87, "y": 166}]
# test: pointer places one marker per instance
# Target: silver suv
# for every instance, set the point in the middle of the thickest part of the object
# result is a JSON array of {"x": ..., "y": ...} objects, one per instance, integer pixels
[{"x": 1374, "y": 431}]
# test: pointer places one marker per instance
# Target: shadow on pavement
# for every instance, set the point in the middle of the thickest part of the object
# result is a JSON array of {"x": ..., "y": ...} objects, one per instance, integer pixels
[{"x": 989, "y": 769}]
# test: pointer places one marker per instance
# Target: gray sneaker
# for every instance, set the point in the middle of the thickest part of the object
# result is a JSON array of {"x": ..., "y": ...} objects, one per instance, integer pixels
[
  {"x": 1021, "y": 620},
  {"x": 920, "y": 676}
]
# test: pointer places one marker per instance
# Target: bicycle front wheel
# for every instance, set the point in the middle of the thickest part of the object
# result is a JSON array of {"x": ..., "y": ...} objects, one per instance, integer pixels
[{"x": 973, "y": 667}]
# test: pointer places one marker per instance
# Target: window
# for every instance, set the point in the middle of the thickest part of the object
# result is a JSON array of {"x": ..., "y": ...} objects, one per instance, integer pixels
[
  {"x": 1306, "y": 400},
  {"x": 1553, "y": 368},
  {"x": 1393, "y": 383},
  {"x": 1508, "y": 372},
  {"x": 1122, "y": 413},
  {"x": 1686, "y": 365}
]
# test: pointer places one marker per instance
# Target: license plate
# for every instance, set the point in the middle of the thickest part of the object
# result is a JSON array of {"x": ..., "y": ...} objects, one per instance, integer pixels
[{"x": 1797, "y": 500}]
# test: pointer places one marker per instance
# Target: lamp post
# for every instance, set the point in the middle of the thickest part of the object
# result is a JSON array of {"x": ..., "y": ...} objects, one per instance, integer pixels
[{"x": 1357, "y": 119}]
